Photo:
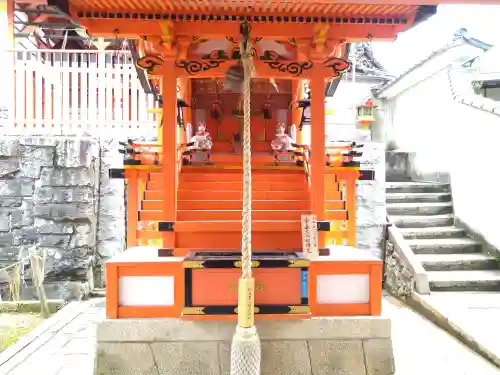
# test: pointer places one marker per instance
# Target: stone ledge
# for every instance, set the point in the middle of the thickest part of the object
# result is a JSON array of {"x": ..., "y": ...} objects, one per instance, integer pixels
[
  {"x": 338, "y": 345},
  {"x": 168, "y": 330},
  {"x": 411, "y": 262},
  {"x": 279, "y": 357}
]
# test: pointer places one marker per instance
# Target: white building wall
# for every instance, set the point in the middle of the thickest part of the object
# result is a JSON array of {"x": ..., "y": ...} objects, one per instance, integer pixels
[{"x": 451, "y": 138}]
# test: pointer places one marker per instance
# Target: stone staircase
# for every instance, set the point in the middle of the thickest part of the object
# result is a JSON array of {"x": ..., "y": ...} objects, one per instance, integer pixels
[{"x": 424, "y": 214}]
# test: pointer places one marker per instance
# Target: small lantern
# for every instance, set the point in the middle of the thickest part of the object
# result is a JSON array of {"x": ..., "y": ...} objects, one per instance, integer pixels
[
  {"x": 305, "y": 119},
  {"x": 365, "y": 114},
  {"x": 267, "y": 109},
  {"x": 180, "y": 113}
]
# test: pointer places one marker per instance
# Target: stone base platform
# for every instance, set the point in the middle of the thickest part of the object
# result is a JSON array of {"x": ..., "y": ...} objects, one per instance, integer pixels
[{"x": 337, "y": 345}]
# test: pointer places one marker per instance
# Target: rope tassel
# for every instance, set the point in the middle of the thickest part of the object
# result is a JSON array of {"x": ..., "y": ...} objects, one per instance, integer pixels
[{"x": 245, "y": 348}]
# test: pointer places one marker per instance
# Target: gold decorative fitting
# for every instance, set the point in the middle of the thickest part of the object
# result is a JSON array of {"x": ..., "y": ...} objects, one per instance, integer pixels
[
  {"x": 299, "y": 263},
  {"x": 255, "y": 264},
  {"x": 193, "y": 264},
  {"x": 259, "y": 286},
  {"x": 299, "y": 309},
  {"x": 320, "y": 37},
  {"x": 193, "y": 311},
  {"x": 256, "y": 310},
  {"x": 167, "y": 31},
  {"x": 233, "y": 287}
]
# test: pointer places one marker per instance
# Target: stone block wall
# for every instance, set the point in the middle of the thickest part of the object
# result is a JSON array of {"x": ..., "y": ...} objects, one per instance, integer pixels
[
  {"x": 51, "y": 197},
  {"x": 111, "y": 224},
  {"x": 370, "y": 201},
  {"x": 370, "y": 195},
  {"x": 399, "y": 280}
]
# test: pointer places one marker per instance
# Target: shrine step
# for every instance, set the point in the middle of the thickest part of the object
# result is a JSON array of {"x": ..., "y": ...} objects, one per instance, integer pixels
[
  {"x": 481, "y": 280},
  {"x": 437, "y": 232},
  {"x": 236, "y": 159},
  {"x": 266, "y": 234},
  {"x": 238, "y": 186},
  {"x": 197, "y": 215},
  {"x": 237, "y": 205},
  {"x": 152, "y": 195},
  {"x": 198, "y": 175},
  {"x": 444, "y": 246},
  {"x": 210, "y": 215},
  {"x": 418, "y": 197},
  {"x": 231, "y": 240},
  {"x": 226, "y": 146},
  {"x": 423, "y": 221},
  {"x": 416, "y": 187},
  {"x": 227, "y": 240},
  {"x": 420, "y": 208},
  {"x": 304, "y": 205},
  {"x": 457, "y": 262}
]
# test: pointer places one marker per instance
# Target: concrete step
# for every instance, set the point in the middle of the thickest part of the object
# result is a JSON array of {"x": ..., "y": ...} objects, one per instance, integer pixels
[
  {"x": 421, "y": 208},
  {"x": 422, "y": 221},
  {"x": 444, "y": 246},
  {"x": 457, "y": 262},
  {"x": 464, "y": 280},
  {"x": 416, "y": 187},
  {"x": 417, "y": 197},
  {"x": 433, "y": 232}
]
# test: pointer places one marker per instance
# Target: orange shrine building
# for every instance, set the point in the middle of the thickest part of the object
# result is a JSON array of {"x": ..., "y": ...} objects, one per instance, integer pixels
[{"x": 185, "y": 192}]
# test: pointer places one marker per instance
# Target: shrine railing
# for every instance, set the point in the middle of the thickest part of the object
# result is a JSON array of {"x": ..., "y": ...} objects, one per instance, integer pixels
[{"x": 74, "y": 92}]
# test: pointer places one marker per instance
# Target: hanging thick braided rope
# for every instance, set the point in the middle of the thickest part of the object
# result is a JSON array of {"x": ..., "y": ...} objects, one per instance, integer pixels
[
  {"x": 246, "y": 238},
  {"x": 245, "y": 348}
]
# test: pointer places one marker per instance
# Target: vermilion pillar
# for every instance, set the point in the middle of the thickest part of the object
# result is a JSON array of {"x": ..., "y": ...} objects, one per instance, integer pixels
[
  {"x": 169, "y": 147},
  {"x": 7, "y": 15},
  {"x": 317, "y": 160}
]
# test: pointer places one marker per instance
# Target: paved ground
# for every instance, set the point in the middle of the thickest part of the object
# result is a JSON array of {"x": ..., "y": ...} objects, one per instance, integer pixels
[
  {"x": 64, "y": 346},
  {"x": 476, "y": 313},
  {"x": 422, "y": 348}
]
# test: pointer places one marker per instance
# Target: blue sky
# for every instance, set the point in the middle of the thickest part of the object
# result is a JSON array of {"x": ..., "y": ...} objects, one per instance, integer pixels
[{"x": 482, "y": 22}]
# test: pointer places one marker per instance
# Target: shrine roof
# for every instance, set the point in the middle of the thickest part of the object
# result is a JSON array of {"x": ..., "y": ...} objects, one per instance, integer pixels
[
  {"x": 272, "y": 7},
  {"x": 460, "y": 38},
  {"x": 405, "y": 13},
  {"x": 366, "y": 63}
]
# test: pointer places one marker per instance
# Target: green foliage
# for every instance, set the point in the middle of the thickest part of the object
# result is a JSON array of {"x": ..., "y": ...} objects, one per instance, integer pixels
[
  {"x": 13, "y": 333},
  {"x": 476, "y": 85}
]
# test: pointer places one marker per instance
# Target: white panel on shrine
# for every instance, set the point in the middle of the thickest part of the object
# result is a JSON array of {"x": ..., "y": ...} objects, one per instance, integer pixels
[
  {"x": 343, "y": 289},
  {"x": 146, "y": 291}
]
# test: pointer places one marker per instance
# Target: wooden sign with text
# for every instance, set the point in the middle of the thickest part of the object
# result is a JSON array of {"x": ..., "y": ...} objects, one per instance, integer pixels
[{"x": 309, "y": 227}]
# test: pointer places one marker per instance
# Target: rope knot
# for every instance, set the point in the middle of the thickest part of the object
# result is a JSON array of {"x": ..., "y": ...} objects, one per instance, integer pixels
[{"x": 246, "y": 43}]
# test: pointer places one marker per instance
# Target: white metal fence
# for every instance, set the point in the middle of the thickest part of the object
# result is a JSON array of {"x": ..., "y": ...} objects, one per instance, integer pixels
[{"x": 74, "y": 92}]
